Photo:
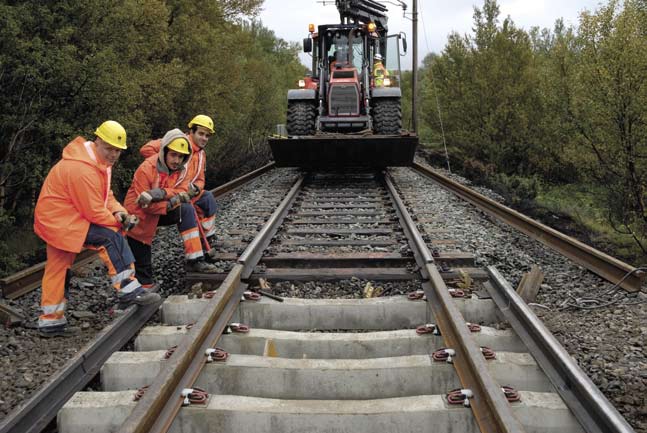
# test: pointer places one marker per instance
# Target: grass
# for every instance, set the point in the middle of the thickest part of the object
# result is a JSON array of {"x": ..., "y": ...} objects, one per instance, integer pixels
[{"x": 585, "y": 205}]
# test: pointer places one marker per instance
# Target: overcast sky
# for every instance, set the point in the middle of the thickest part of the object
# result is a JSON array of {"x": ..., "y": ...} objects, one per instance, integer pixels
[{"x": 437, "y": 18}]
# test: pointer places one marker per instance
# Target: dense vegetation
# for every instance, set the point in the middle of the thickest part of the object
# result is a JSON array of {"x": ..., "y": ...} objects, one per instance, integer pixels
[
  {"x": 557, "y": 114},
  {"x": 68, "y": 65},
  {"x": 560, "y": 113}
]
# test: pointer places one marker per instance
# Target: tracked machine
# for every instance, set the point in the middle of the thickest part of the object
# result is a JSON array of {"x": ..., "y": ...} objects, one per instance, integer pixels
[{"x": 347, "y": 112}]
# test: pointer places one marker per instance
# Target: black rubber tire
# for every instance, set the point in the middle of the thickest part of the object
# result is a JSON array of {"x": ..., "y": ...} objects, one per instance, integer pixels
[
  {"x": 301, "y": 118},
  {"x": 387, "y": 116}
]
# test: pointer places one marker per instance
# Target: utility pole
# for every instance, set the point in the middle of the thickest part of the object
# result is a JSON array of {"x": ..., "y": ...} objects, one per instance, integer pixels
[{"x": 414, "y": 71}]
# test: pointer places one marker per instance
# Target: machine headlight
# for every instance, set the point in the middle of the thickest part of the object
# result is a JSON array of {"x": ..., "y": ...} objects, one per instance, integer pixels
[
  {"x": 302, "y": 84},
  {"x": 387, "y": 82}
]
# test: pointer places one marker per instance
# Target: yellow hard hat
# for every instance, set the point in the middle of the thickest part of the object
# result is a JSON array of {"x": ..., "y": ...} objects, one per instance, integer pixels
[
  {"x": 202, "y": 120},
  {"x": 112, "y": 133},
  {"x": 180, "y": 145}
]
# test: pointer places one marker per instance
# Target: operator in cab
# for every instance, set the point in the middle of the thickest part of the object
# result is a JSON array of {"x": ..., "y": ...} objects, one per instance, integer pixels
[{"x": 380, "y": 73}]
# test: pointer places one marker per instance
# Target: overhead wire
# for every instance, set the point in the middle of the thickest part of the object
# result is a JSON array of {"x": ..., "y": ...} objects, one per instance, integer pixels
[{"x": 433, "y": 83}]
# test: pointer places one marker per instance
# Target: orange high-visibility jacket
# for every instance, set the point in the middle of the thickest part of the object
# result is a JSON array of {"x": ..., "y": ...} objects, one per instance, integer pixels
[
  {"x": 76, "y": 192},
  {"x": 194, "y": 168},
  {"x": 152, "y": 173}
]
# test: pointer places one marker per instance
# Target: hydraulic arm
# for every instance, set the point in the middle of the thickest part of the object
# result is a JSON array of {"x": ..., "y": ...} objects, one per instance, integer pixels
[{"x": 362, "y": 11}]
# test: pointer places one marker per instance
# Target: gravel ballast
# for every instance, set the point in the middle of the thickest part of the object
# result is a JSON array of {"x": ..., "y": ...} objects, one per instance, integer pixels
[{"x": 608, "y": 343}]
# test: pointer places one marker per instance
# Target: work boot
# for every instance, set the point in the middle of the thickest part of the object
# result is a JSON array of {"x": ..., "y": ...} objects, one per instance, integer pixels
[
  {"x": 138, "y": 297},
  {"x": 150, "y": 287},
  {"x": 58, "y": 331},
  {"x": 202, "y": 267},
  {"x": 211, "y": 256}
]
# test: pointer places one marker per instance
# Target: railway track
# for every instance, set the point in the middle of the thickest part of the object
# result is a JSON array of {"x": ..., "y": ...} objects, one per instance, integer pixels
[
  {"x": 35, "y": 414},
  {"x": 331, "y": 229},
  {"x": 413, "y": 361}
]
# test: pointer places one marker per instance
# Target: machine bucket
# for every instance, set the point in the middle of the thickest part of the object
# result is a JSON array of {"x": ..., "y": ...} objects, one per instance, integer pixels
[{"x": 321, "y": 152}]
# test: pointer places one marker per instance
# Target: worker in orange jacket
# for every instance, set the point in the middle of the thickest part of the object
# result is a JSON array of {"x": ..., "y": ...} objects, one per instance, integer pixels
[
  {"x": 76, "y": 208},
  {"x": 200, "y": 131},
  {"x": 158, "y": 192}
]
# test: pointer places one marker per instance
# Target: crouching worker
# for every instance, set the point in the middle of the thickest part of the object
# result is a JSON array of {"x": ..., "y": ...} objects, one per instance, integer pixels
[
  {"x": 159, "y": 191},
  {"x": 200, "y": 131},
  {"x": 76, "y": 208}
]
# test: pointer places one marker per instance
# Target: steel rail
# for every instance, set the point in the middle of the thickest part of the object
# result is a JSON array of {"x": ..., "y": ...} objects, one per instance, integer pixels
[
  {"x": 158, "y": 408},
  {"x": 609, "y": 268},
  {"x": 588, "y": 404},
  {"x": 26, "y": 280},
  {"x": 489, "y": 405},
  {"x": 42, "y": 407},
  {"x": 242, "y": 180},
  {"x": 35, "y": 414}
]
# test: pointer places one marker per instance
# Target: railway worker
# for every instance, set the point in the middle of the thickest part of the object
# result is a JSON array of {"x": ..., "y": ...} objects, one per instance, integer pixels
[
  {"x": 76, "y": 208},
  {"x": 158, "y": 196},
  {"x": 380, "y": 73},
  {"x": 200, "y": 131}
]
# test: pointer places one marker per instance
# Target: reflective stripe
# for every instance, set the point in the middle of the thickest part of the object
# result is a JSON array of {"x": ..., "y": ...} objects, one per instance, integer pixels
[
  {"x": 190, "y": 234},
  {"x": 53, "y": 309},
  {"x": 200, "y": 162},
  {"x": 90, "y": 150},
  {"x": 209, "y": 226},
  {"x": 192, "y": 245},
  {"x": 44, "y": 323},
  {"x": 116, "y": 279},
  {"x": 182, "y": 175},
  {"x": 192, "y": 256},
  {"x": 208, "y": 222},
  {"x": 93, "y": 157},
  {"x": 130, "y": 287}
]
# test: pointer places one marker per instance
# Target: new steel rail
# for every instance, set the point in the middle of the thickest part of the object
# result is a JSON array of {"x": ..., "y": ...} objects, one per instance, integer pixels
[
  {"x": 609, "y": 268},
  {"x": 42, "y": 407}
]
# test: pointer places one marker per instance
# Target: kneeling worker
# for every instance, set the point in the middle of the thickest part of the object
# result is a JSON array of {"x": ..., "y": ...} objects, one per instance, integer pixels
[
  {"x": 76, "y": 208},
  {"x": 159, "y": 189},
  {"x": 200, "y": 131}
]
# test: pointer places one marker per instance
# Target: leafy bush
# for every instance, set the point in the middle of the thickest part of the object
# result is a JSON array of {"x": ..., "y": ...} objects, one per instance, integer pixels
[
  {"x": 519, "y": 191},
  {"x": 478, "y": 171}
]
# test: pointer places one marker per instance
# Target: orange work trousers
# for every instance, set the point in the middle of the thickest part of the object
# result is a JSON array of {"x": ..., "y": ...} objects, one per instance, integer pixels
[{"x": 113, "y": 251}]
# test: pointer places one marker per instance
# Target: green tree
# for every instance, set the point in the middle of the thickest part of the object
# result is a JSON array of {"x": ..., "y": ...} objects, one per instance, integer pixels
[
  {"x": 487, "y": 88},
  {"x": 66, "y": 66},
  {"x": 609, "y": 109}
]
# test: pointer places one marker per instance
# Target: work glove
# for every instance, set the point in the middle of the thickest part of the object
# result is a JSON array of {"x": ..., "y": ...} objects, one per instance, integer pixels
[
  {"x": 175, "y": 201},
  {"x": 127, "y": 221},
  {"x": 194, "y": 190},
  {"x": 151, "y": 196}
]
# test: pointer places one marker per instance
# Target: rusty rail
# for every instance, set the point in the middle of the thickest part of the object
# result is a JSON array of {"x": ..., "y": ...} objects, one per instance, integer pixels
[
  {"x": 609, "y": 268},
  {"x": 580, "y": 394}
]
